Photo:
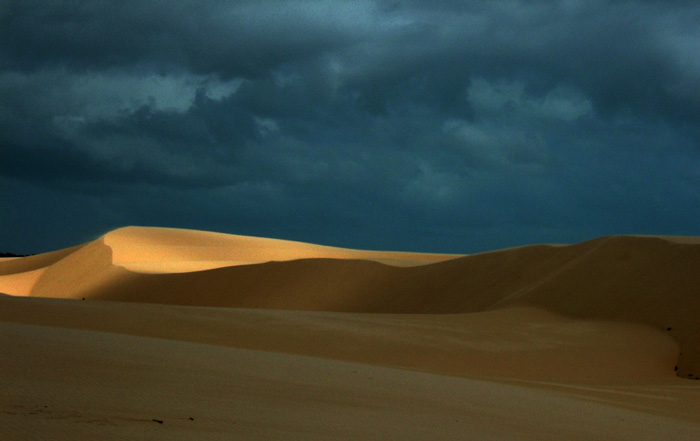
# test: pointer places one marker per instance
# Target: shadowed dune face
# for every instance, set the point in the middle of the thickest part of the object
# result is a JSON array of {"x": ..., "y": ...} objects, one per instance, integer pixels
[
  {"x": 79, "y": 384},
  {"x": 205, "y": 335},
  {"x": 644, "y": 280},
  {"x": 514, "y": 343}
]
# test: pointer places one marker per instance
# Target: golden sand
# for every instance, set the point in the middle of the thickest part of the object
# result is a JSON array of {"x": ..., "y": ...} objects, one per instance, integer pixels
[{"x": 201, "y": 335}]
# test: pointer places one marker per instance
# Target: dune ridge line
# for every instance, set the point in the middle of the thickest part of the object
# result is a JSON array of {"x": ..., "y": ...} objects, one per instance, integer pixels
[{"x": 635, "y": 279}]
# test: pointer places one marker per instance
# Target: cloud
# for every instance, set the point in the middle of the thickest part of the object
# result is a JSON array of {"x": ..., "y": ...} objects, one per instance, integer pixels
[
  {"x": 559, "y": 103},
  {"x": 231, "y": 38},
  {"x": 359, "y": 123}
]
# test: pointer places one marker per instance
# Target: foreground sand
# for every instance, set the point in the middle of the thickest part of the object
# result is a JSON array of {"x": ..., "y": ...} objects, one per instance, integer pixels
[{"x": 204, "y": 333}]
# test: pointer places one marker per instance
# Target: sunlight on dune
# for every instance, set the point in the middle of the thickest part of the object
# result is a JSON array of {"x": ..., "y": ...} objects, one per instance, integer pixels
[{"x": 605, "y": 331}]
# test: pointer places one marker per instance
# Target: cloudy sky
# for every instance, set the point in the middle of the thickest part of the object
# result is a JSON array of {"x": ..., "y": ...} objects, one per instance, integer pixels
[{"x": 448, "y": 126}]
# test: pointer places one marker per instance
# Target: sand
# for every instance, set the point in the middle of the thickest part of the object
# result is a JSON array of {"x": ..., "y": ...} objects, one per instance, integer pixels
[{"x": 196, "y": 335}]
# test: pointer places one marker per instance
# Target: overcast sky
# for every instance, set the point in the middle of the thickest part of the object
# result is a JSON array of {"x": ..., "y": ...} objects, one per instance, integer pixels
[{"x": 447, "y": 126}]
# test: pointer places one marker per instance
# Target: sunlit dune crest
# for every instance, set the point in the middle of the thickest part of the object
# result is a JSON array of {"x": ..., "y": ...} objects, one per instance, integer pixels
[
  {"x": 165, "y": 250},
  {"x": 607, "y": 330}
]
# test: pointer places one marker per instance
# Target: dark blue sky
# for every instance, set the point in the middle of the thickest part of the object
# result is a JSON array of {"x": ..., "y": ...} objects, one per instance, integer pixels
[{"x": 449, "y": 126}]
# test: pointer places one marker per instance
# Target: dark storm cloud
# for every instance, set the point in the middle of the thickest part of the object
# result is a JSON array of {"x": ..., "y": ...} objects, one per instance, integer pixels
[
  {"x": 231, "y": 38},
  {"x": 444, "y": 125}
]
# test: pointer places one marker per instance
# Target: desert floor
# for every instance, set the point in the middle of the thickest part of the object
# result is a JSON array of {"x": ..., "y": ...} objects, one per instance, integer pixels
[{"x": 152, "y": 333}]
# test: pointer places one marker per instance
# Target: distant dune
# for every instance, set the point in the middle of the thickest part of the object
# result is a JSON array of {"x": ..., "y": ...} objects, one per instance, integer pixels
[
  {"x": 615, "y": 312},
  {"x": 637, "y": 279}
]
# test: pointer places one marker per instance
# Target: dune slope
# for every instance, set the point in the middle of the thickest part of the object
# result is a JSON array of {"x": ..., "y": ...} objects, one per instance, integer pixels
[
  {"x": 85, "y": 385},
  {"x": 202, "y": 335},
  {"x": 646, "y": 280},
  {"x": 512, "y": 343}
]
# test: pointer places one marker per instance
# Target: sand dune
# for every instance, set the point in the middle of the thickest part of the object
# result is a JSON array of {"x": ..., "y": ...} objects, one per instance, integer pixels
[
  {"x": 612, "y": 320},
  {"x": 645, "y": 280},
  {"x": 19, "y": 275},
  {"x": 165, "y": 250},
  {"x": 83, "y": 385},
  {"x": 513, "y": 343}
]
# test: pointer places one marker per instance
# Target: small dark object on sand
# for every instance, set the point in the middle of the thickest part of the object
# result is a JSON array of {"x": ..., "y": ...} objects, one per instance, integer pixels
[
  {"x": 191, "y": 419},
  {"x": 158, "y": 421}
]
